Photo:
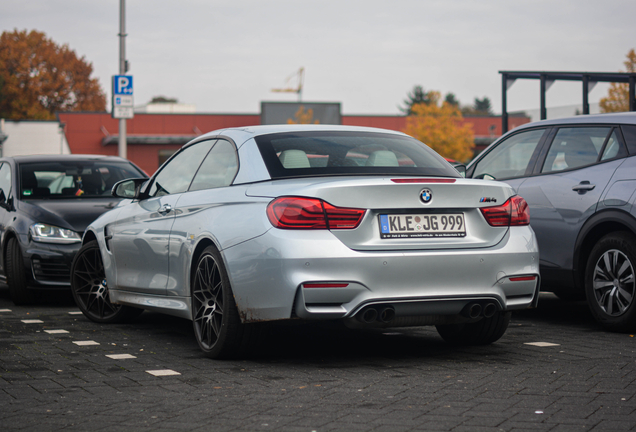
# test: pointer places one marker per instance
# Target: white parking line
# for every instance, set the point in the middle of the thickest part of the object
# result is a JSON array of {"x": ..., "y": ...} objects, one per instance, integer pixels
[
  {"x": 33, "y": 321},
  {"x": 85, "y": 343},
  {"x": 120, "y": 356},
  {"x": 541, "y": 344},
  {"x": 55, "y": 331},
  {"x": 5, "y": 310},
  {"x": 163, "y": 372},
  {"x": 75, "y": 313}
]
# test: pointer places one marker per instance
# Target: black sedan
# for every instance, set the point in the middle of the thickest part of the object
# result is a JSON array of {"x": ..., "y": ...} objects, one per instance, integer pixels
[{"x": 46, "y": 203}]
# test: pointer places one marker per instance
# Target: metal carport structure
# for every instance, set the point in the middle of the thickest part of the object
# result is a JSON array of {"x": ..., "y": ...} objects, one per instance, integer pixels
[{"x": 588, "y": 79}]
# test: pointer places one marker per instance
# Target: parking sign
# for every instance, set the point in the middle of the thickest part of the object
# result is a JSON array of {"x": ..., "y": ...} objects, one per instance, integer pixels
[
  {"x": 122, "y": 96},
  {"x": 122, "y": 85}
]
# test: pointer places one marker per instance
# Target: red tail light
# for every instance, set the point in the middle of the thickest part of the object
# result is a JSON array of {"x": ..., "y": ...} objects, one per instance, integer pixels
[
  {"x": 513, "y": 212},
  {"x": 423, "y": 180},
  {"x": 311, "y": 213}
]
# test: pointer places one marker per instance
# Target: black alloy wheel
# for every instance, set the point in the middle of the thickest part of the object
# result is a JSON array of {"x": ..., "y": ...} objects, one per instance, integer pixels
[
  {"x": 217, "y": 325},
  {"x": 610, "y": 284},
  {"x": 90, "y": 288},
  {"x": 16, "y": 275}
]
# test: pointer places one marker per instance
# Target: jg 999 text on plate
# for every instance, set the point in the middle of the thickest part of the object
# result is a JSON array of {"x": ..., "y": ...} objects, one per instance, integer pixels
[{"x": 422, "y": 225}]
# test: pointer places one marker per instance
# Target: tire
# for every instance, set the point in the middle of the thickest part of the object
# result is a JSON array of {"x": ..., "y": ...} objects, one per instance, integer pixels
[
  {"x": 610, "y": 284},
  {"x": 90, "y": 288},
  {"x": 16, "y": 275},
  {"x": 482, "y": 332},
  {"x": 215, "y": 318}
]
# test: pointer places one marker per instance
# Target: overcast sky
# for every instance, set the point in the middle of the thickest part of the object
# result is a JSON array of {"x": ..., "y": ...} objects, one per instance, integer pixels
[{"x": 226, "y": 56}]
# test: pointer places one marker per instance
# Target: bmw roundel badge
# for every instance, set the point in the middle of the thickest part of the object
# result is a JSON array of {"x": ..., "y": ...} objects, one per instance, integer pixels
[{"x": 426, "y": 196}]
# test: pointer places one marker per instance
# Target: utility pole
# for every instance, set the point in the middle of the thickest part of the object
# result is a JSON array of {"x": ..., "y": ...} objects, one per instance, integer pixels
[{"x": 123, "y": 151}]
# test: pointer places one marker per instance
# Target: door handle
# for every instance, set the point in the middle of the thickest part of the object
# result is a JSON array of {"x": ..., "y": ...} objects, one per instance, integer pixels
[
  {"x": 164, "y": 209},
  {"x": 583, "y": 187}
]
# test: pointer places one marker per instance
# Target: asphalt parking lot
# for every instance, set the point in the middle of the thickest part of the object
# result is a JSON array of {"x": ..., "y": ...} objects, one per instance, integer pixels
[{"x": 554, "y": 370}]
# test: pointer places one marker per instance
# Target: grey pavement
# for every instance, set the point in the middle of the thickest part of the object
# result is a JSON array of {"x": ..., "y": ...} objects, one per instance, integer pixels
[{"x": 307, "y": 378}]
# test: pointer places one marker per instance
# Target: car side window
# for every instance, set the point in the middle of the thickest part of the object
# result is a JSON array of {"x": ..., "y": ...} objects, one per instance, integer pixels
[
  {"x": 575, "y": 147},
  {"x": 511, "y": 157},
  {"x": 5, "y": 179},
  {"x": 613, "y": 147},
  {"x": 629, "y": 132},
  {"x": 176, "y": 175},
  {"x": 218, "y": 169}
]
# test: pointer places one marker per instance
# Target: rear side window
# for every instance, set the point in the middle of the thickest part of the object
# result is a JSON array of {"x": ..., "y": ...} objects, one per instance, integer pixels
[
  {"x": 575, "y": 147},
  {"x": 629, "y": 132},
  {"x": 323, "y": 153},
  {"x": 613, "y": 147}
]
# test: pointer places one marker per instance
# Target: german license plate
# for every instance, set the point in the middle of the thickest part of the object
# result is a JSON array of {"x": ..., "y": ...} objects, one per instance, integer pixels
[{"x": 422, "y": 225}]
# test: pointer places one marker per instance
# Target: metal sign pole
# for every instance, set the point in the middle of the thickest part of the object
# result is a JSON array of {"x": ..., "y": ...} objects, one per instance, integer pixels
[{"x": 122, "y": 70}]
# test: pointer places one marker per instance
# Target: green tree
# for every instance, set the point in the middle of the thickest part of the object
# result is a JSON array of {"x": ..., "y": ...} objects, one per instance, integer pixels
[
  {"x": 617, "y": 99},
  {"x": 441, "y": 128},
  {"x": 414, "y": 97},
  {"x": 482, "y": 106},
  {"x": 451, "y": 99},
  {"x": 39, "y": 78}
]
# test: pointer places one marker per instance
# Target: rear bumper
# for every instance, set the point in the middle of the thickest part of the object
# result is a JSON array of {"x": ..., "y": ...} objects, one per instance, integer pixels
[{"x": 269, "y": 276}]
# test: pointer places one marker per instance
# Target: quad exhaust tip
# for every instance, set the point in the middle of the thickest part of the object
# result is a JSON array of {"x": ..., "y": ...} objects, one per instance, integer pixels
[
  {"x": 476, "y": 310},
  {"x": 489, "y": 310},
  {"x": 386, "y": 313},
  {"x": 369, "y": 315},
  {"x": 383, "y": 314}
]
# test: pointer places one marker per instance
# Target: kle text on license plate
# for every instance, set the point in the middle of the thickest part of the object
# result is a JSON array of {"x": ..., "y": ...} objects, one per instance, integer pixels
[{"x": 422, "y": 225}]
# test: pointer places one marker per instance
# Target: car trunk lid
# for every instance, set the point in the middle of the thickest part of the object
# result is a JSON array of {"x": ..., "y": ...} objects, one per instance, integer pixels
[{"x": 401, "y": 213}]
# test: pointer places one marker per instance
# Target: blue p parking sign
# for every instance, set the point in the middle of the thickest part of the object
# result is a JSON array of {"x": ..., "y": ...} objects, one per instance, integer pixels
[
  {"x": 123, "y": 97},
  {"x": 122, "y": 85}
]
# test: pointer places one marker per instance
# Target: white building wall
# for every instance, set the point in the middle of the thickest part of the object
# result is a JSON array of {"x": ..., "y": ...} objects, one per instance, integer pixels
[
  {"x": 29, "y": 137},
  {"x": 166, "y": 108}
]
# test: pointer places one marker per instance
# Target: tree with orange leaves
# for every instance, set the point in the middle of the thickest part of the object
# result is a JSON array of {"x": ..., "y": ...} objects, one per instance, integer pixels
[
  {"x": 303, "y": 116},
  {"x": 439, "y": 127},
  {"x": 39, "y": 78},
  {"x": 617, "y": 99}
]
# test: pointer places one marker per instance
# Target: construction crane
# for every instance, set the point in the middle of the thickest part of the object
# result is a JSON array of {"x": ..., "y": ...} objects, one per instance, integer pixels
[{"x": 299, "y": 76}]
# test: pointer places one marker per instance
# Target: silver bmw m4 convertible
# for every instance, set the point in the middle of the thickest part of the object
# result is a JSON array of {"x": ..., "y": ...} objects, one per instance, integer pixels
[{"x": 298, "y": 222}]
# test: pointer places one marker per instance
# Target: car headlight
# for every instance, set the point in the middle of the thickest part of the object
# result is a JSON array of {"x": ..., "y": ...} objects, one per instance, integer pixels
[{"x": 51, "y": 234}]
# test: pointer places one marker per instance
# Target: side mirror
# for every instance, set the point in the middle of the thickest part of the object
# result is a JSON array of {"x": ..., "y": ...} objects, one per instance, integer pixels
[{"x": 128, "y": 189}]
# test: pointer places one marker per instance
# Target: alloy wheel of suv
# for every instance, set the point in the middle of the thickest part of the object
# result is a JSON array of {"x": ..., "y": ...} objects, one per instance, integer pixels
[{"x": 610, "y": 284}]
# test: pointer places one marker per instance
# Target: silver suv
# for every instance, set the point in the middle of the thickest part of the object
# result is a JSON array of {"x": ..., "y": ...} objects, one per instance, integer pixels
[{"x": 578, "y": 176}]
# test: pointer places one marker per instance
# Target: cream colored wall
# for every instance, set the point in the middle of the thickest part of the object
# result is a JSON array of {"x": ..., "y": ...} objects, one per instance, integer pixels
[{"x": 33, "y": 137}]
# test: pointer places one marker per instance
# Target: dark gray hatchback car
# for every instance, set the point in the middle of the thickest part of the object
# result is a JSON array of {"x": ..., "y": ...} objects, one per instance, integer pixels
[
  {"x": 46, "y": 203},
  {"x": 578, "y": 176}
]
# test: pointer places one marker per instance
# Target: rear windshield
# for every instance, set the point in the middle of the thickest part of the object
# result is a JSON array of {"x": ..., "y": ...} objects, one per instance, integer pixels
[
  {"x": 316, "y": 153},
  {"x": 71, "y": 180}
]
